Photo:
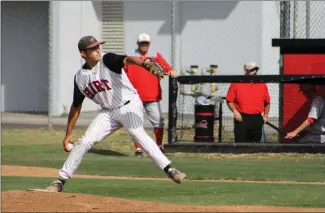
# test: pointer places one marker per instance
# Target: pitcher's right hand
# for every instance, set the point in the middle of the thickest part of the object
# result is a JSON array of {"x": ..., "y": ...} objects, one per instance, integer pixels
[{"x": 66, "y": 141}]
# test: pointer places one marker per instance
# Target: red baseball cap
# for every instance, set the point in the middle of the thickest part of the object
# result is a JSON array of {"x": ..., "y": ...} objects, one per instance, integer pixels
[{"x": 87, "y": 42}]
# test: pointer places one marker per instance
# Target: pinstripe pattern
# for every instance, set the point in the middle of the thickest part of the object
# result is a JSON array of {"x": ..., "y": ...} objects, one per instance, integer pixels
[
  {"x": 114, "y": 116},
  {"x": 117, "y": 87},
  {"x": 100, "y": 127}
]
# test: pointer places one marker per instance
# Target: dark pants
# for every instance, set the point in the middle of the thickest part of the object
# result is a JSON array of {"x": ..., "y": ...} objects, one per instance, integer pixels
[{"x": 250, "y": 129}]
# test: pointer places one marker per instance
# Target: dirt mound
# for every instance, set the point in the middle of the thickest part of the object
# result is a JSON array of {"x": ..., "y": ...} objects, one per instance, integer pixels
[{"x": 23, "y": 201}]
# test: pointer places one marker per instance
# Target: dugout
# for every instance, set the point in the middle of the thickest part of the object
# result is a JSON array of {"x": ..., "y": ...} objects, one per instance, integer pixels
[
  {"x": 302, "y": 61},
  {"x": 300, "y": 57}
]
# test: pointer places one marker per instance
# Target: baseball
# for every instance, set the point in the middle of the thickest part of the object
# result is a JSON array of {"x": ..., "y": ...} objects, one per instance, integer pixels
[{"x": 70, "y": 146}]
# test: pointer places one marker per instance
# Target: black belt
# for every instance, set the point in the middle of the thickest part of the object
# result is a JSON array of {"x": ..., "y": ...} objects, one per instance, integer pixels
[
  {"x": 251, "y": 114},
  {"x": 126, "y": 103}
]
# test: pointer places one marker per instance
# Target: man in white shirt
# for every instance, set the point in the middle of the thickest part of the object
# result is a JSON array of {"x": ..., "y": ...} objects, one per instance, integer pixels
[{"x": 313, "y": 128}]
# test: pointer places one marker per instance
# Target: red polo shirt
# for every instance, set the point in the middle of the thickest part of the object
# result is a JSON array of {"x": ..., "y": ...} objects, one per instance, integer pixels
[
  {"x": 249, "y": 98},
  {"x": 146, "y": 84}
]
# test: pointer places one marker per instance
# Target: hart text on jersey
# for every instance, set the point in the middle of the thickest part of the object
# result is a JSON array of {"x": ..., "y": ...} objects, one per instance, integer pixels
[{"x": 96, "y": 87}]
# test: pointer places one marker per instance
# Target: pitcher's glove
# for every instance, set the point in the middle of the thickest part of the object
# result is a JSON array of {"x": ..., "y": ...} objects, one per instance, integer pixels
[{"x": 154, "y": 67}]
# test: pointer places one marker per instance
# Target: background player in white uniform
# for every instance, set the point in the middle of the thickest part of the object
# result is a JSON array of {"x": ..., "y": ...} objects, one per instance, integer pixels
[
  {"x": 103, "y": 80},
  {"x": 312, "y": 130}
]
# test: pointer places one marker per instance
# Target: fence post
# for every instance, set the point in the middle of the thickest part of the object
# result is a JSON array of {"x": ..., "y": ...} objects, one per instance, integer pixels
[
  {"x": 285, "y": 19},
  {"x": 307, "y": 19},
  {"x": 284, "y": 33},
  {"x": 295, "y": 13},
  {"x": 50, "y": 86},
  {"x": 173, "y": 88}
]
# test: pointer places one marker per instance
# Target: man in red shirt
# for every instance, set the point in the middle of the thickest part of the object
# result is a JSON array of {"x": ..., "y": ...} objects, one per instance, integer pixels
[
  {"x": 248, "y": 101},
  {"x": 149, "y": 90}
]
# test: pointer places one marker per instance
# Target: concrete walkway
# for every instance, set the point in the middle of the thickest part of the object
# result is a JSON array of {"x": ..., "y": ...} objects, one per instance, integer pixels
[{"x": 22, "y": 120}]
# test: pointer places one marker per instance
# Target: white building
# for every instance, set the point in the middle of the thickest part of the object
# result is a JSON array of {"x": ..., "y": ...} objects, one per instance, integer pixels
[{"x": 40, "y": 54}]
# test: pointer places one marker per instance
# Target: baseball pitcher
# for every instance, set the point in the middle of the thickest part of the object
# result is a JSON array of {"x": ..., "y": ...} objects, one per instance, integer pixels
[{"x": 103, "y": 80}]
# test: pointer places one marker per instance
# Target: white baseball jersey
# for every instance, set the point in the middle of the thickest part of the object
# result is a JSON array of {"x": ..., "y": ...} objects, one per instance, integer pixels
[
  {"x": 106, "y": 84},
  {"x": 316, "y": 131}
]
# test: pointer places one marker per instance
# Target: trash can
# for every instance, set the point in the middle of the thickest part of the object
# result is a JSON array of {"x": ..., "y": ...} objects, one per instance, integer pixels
[{"x": 204, "y": 123}]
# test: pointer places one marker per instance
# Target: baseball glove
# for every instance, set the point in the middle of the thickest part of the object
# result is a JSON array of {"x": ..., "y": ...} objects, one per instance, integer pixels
[{"x": 155, "y": 68}]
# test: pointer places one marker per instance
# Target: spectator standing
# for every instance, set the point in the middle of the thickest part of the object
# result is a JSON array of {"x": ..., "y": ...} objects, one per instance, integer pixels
[
  {"x": 149, "y": 90},
  {"x": 248, "y": 101}
]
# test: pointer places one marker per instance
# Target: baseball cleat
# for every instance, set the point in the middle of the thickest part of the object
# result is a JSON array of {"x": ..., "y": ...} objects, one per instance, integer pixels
[
  {"x": 176, "y": 175},
  {"x": 138, "y": 153},
  {"x": 55, "y": 186}
]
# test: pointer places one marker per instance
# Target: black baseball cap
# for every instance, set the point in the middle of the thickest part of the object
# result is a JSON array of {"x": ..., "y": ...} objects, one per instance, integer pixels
[{"x": 88, "y": 42}]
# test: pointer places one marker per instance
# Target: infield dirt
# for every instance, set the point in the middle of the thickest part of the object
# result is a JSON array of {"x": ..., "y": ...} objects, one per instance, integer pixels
[{"x": 27, "y": 201}]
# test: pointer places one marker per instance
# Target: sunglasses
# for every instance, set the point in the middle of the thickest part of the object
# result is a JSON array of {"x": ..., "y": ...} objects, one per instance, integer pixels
[{"x": 252, "y": 70}]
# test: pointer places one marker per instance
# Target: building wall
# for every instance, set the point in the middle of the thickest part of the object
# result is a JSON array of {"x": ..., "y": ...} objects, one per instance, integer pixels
[
  {"x": 224, "y": 33},
  {"x": 24, "y": 58},
  {"x": 139, "y": 18},
  {"x": 84, "y": 19}
]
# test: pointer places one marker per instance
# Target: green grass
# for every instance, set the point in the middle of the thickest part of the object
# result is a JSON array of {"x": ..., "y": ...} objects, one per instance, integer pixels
[
  {"x": 43, "y": 148},
  {"x": 113, "y": 156},
  {"x": 192, "y": 193}
]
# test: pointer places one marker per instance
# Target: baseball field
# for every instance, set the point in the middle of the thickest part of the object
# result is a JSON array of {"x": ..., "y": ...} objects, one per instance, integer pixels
[{"x": 111, "y": 179}]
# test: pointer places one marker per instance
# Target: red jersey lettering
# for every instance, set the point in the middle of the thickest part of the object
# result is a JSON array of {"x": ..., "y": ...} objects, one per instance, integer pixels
[
  {"x": 98, "y": 86},
  {"x": 105, "y": 82},
  {"x": 89, "y": 93}
]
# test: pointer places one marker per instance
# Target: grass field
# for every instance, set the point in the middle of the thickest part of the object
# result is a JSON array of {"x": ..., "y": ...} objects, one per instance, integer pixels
[
  {"x": 114, "y": 157},
  {"x": 194, "y": 193}
]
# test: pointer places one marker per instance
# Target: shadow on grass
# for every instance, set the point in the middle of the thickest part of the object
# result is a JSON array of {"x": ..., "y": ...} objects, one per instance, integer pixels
[{"x": 106, "y": 152}]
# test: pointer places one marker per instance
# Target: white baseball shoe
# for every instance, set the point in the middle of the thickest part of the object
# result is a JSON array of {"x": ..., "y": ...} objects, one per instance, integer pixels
[
  {"x": 55, "y": 186},
  {"x": 176, "y": 175}
]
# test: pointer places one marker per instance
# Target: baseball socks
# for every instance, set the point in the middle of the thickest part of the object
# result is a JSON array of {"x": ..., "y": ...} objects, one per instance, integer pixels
[
  {"x": 159, "y": 133},
  {"x": 138, "y": 151}
]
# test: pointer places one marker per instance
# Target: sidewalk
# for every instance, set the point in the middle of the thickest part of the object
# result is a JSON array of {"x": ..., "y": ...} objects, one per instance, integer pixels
[{"x": 23, "y": 120}]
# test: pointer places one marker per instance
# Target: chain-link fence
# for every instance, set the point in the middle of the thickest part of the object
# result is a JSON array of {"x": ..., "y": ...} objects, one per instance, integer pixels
[
  {"x": 187, "y": 33},
  {"x": 25, "y": 63},
  {"x": 303, "y": 19},
  {"x": 244, "y": 34},
  {"x": 226, "y": 36}
]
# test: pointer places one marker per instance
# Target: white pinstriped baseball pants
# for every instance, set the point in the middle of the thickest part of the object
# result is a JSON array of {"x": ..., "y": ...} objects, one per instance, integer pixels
[{"x": 129, "y": 116}]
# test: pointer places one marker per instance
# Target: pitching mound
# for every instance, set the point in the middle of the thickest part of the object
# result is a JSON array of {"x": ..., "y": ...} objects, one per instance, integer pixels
[{"x": 23, "y": 201}]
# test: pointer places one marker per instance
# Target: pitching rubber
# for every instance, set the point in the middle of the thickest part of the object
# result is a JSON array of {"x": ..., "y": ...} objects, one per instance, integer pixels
[{"x": 38, "y": 190}]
